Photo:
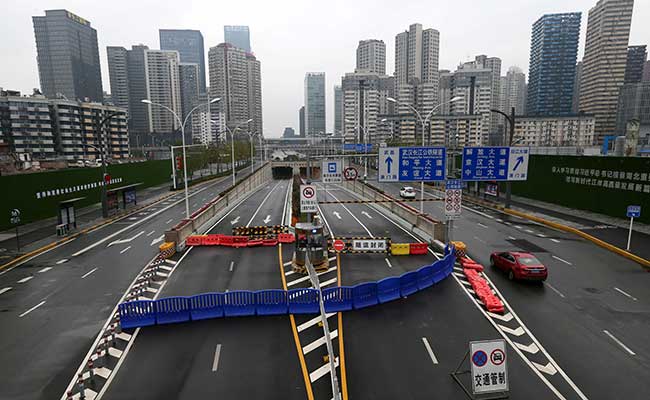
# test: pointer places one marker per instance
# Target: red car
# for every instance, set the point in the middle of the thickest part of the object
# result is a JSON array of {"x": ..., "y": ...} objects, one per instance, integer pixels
[{"x": 519, "y": 265}]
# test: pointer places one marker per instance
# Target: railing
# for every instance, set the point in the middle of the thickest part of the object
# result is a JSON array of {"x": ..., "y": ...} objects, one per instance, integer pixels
[{"x": 141, "y": 313}]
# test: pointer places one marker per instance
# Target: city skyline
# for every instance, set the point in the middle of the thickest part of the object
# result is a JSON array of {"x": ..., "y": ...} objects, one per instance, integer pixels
[{"x": 338, "y": 47}]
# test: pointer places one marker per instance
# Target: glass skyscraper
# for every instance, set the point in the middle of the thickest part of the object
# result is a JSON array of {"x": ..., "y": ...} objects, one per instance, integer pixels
[
  {"x": 553, "y": 53},
  {"x": 314, "y": 103},
  {"x": 189, "y": 44},
  {"x": 238, "y": 36}
]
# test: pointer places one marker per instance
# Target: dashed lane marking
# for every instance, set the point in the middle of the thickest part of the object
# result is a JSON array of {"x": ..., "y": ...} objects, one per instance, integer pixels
[
  {"x": 125, "y": 250},
  {"x": 89, "y": 272},
  {"x": 169, "y": 221},
  {"x": 559, "y": 259},
  {"x": 388, "y": 262},
  {"x": 554, "y": 289},
  {"x": 61, "y": 261},
  {"x": 619, "y": 343},
  {"x": 232, "y": 265},
  {"x": 625, "y": 294},
  {"x": 529, "y": 231},
  {"x": 31, "y": 309},
  {"x": 217, "y": 353},
  {"x": 481, "y": 225},
  {"x": 26, "y": 279},
  {"x": 44, "y": 270},
  {"x": 430, "y": 351},
  {"x": 150, "y": 233},
  {"x": 5, "y": 290},
  {"x": 555, "y": 241}
]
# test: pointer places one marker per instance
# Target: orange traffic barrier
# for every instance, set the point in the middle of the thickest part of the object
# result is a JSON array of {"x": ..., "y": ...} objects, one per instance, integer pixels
[
  {"x": 194, "y": 240},
  {"x": 254, "y": 242},
  {"x": 418, "y": 248},
  {"x": 226, "y": 240},
  {"x": 239, "y": 241},
  {"x": 286, "y": 237},
  {"x": 212, "y": 240},
  {"x": 270, "y": 242}
]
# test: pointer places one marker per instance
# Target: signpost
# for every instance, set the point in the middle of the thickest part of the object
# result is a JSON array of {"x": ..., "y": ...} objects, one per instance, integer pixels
[
  {"x": 15, "y": 220},
  {"x": 338, "y": 245},
  {"x": 308, "y": 203},
  {"x": 331, "y": 171},
  {"x": 350, "y": 174},
  {"x": 488, "y": 366},
  {"x": 369, "y": 245},
  {"x": 453, "y": 198},
  {"x": 411, "y": 164},
  {"x": 495, "y": 163},
  {"x": 632, "y": 212}
]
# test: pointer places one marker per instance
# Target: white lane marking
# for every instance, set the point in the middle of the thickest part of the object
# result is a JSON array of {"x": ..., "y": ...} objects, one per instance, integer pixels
[
  {"x": 511, "y": 238},
  {"x": 554, "y": 289},
  {"x": 319, "y": 342},
  {"x": 429, "y": 350},
  {"x": 531, "y": 348},
  {"x": 625, "y": 294},
  {"x": 31, "y": 309},
  {"x": 353, "y": 216},
  {"x": 564, "y": 261},
  {"x": 234, "y": 221},
  {"x": 517, "y": 226},
  {"x": 541, "y": 235},
  {"x": 157, "y": 240},
  {"x": 215, "y": 363},
  {"x": 312, "y": 322},
  {"x": 61, "y": 261},
  {"x": 336, "y": 214},
  {"x": 516, "y": 332},
  {"x": 619, "y": 343},
  {"x": 290, "y": 272},
  {"x": 267, "y": 219},
  {"x": 168, "y": 222},
  {"x": 388, "y": 262},
  {"x": 366, "y": 214},
  {"x": 232, "y": 265},
  {"x": 529, "y": 231},
  {"x": 5, "y": 290},
  {"x": 26, "y": 279},
  {"x": 125, "y": 250},
  {"x": 505, "y": 318},
  {"x": 286, "y": 203},
  {"x": 481, "y": 225},
  {"x": 548, "y": 369},
  {"x": 127, "y": 240},
  {"x": 150, "y": 233},
  {"x": 287, "y": 263},
  {"x": 306, "y": 278},
  {"x": 323, "y": 370},
  {"x": 329, "y": 282},
  {"x": 261, "y": 204},
  {"x": 124, "y": 336},
  {"x": 89, "y": 272},
  {"x": 117, "y": 353},
  {"x": 555, "y": 240},
  {"x": 499, "y": 220},
  {"x": 480, "y": 240},
  {"x": 44, "y": 270}
]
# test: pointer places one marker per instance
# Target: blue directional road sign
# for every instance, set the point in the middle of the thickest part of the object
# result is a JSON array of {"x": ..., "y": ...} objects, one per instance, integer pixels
[
  {"x": 454, "y": 184},
  {"x": 409, "y": 164},
  {"x": 495, "y": 163},
  {"x": 358, "y": 147},
  {"x": 633, "y": 211}
]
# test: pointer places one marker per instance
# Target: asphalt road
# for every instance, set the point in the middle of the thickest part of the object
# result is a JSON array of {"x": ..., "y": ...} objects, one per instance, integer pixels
[{"x": 54, "y": 304}]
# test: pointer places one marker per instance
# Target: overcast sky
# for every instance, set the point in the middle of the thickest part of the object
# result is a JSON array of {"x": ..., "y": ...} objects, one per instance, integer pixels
[{"x": 294, "y": 37}]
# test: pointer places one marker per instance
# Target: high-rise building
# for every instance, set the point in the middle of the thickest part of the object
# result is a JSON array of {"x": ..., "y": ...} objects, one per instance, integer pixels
[
  {"x": 189, "y": 44},
  {"x": 188, "y": 75},
  {"x": 238, "y": 36},
  {"x": 575, "y": 106},
  {"x": 552, "y": 67},
  {"x": 444, "y": 90},
  {"x": 554, "y": 131},
  {"x": 118, "y": 75},
  {"x": 68, "y": 56},
  {"x": 603, "y": 65},
  {"x": 314, "y": 103},
  {"x": 235, "y": 77},
  {"x": 416, "y": 76},
  {"x": 472, "y": 85},
  {"x": 636, "y": 58},
  {"x": 646, "y": 72},
  {"x": 514, "y": 93},
  {"x": 338, "y": 110},
  {"x": 457, "y": 130},
  {"x": 288, "y": 133},
  {"x": 301, "y": 118},
  {"x": 371, "y": 56},
  {"x": 494, "y": 65},
  {"x": 163, "y": 87},
  {"x": 364, "y": 100},
  {"x": 633, "y": 104}
]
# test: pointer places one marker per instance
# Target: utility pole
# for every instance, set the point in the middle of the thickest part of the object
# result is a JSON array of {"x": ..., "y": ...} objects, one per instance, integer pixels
[{"x": 511, "y": 120}]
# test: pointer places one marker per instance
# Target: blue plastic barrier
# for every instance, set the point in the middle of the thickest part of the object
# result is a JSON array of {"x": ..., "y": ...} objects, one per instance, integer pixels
[
  {"x": 337, "y": 299},
  {"x": 206, "y": 305},
  {"x": 137, "y": 313},
  {"x": 271, "y": 302},
  {"x": 388, "y": 289},
  {"x": 303, "y": 301},
  {"x": 425, "y": 275},
  {"x": 365, "y": 295},
  {"x": 408, "y": 283},
  {"x": 172, "y": 310},
  {"x": 239, "y": 303}
]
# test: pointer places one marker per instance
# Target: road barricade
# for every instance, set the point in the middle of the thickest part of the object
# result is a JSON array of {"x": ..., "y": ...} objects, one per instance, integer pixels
[
  {"x": 337, "y": 299},
  {"x": 212, "y": 240},
  {"x": 364, "y": 295},
  {"x": 194, "y": 240},
  {"x": 240, "y": 241},
  {"x": 459, "y": 248},
  {"x": 303, "y": 301},
  {"x": 269, "y": 242},
  {"x": 388, "y": 289},
  {"x": 286, "y": 237},
  {"x": 425, "y": 277},
  {"x": 167, "y": 249},
  {"x": 418, "y": 248},
  {"x": 206, "y": 305},
  {"x": 137, "y": 313},
  {"x": 408, "y": 283},
  {"x": 239, "y": 303},
  {"x": 442, "y": 269},
  {"x": 399, "y": 249},
  {"x": 271, "y": 302},
  {"x": 172, "y": 310},
  {"x": 226, "y": 240},
  {"x": 253, "y": 243}
]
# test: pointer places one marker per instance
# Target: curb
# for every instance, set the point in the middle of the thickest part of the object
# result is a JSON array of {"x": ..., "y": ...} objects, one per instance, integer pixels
[{"x": 640, "y": 260}]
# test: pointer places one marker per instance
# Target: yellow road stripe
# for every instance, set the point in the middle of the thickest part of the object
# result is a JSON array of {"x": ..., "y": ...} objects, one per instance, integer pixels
[
  {"x": 294, "y": 330},
  {"x": 344, "y": 379}
]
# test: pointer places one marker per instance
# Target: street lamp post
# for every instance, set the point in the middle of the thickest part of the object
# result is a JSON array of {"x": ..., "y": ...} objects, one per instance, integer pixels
[
  {"x": 424, "y": 125},
  {"x": 182, "y": 124},
  {"x": 250, "y": 136},
  {"x": 392, "y": 134},
  {"x": 511, "y": 120},
  {"x": 103, "y": 153}
]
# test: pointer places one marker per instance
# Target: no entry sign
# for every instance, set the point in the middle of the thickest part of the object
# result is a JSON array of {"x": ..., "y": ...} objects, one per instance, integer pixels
[{"x": 338, "y": 245}]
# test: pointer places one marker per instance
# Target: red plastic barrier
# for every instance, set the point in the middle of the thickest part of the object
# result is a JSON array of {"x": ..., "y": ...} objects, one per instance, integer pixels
[
  {"x": 212, "y": 240},
  {"x": 494, "y": 305},
  {"x": 254, "y": 242},
  {"x": 286, "y": 237},
  {"x": 418, "y": 248},
  {"x": 474, "y": 266},
  {"x": 270, "y": 242},
  {"x": 195, "y": 240},
  {"x": 226, "y": 240},
  {"x": 240, "y": 241}
]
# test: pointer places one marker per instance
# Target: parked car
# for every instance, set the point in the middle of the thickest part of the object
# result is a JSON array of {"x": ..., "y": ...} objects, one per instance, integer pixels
[
  {"x": 519, "y": 265},
  {"x": 407, "y": 192}
]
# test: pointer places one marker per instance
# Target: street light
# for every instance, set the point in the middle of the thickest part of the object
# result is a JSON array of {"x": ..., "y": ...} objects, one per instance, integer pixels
[
  {"x": 365, "y": 145},
  {"x": 182, "y": 124},
  {"x": 424, "y": 124},
  {"x": 392, "y": 134},
  {"x": 511, "y": 120},
  {"x": 250, "y": 137}
]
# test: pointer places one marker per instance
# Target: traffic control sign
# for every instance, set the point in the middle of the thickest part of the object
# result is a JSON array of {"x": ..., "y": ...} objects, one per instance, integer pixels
[
  {"x": 350, "y": 174},
  {"x": 308, "y": 203},
  {"x": 409, "y": 164},
  {"x": 331, "y": 171},
  {"x": 633, "y": 211},
  {"x": 338, "y": 245},
  {"x": 495, "y": 163},
  {"x": 453, "y": 198},
  {"x": 489, "y": 373}
]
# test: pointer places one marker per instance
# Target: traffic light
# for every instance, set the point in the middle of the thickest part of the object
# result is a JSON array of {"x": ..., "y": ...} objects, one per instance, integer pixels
[{"x": 179, "y": 163}]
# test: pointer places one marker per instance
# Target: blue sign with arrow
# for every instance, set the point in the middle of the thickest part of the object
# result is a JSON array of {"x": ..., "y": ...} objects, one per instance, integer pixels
[
  {"x": 409, "y": 164},
  {"x": 495, "y": 163},
  {"x": 633, "y": 211}
]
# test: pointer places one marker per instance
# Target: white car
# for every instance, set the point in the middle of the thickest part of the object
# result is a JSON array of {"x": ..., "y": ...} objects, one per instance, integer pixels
[{"x": 407, "y": 192}]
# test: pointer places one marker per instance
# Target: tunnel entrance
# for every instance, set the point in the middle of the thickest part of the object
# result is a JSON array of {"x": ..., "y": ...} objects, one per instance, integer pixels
[{"x": 282, "y": 172}]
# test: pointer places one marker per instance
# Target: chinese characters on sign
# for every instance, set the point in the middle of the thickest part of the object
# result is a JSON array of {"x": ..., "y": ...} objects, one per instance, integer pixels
[
  {"x": 495, "y": 163},
  {"x": 331, "y": 171},
  {"x": 618, "y": 180},
  {"x": 411, "y": 164},
  {"x": 369, "y": 245},
  {"x": 453, "y": 198},
  {"x": 308, "y": 203},
  {"x": 489, "y": 366}
]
